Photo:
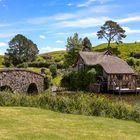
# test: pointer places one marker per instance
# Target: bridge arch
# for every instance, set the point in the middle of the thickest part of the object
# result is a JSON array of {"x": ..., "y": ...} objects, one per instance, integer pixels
[
  {"x": 32, "y": 89},
  {"x": 6, "y": 88},
  {"x": 21, "y": 80}
]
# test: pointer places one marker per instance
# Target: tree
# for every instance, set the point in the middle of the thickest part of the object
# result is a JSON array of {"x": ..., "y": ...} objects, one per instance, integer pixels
[
  {"x": 111, "y": 31},
  {"x": 74, "y": 45},
  {"x": 87, "y": 46},
  {"x": 20, "y": 50}
]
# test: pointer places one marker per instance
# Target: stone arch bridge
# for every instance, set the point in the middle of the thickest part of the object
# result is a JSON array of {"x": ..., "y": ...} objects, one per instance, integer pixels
[{"x": 21, "y": 80}]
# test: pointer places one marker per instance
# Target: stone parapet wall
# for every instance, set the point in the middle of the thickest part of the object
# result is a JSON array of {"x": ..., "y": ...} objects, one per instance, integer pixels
[{"x": 19, "y": 80}]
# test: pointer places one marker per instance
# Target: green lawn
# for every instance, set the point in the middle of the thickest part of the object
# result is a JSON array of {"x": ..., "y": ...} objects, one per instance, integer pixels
[{"x": 18, "y": 123}]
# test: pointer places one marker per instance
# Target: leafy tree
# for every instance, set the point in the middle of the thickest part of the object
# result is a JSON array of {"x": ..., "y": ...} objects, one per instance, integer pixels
[
  {"x": 74, "y": 45},
  {"x": 87, "y": 46},
  {"x": 20, "y": 50},
  {"x": 111, "y": 31}
]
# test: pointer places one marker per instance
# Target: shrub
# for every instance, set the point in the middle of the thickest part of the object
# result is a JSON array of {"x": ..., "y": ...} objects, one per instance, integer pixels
[
  {"x": 53, "y": 70},
  {"x": 39, "y": 64},
  {"x": 36, "y": 64},
  {"x": 135, "y": 54},
  {"x": 79, "y": 80},
  {"x": 131, "y": 61},
  {"x": 47, "y": 81}
]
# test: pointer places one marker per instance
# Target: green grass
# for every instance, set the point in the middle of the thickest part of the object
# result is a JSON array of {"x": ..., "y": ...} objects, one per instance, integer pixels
[
  {"x": 56, "y": 55},
  {"x": 1, "y": 61},
  {"x": 34, "y": 69},
  {"x": 57, "y": 80},
  {"x": 122, "y": 50},
  {"x": 18, "y": 123},
  {"x": 38, "y": 70}
]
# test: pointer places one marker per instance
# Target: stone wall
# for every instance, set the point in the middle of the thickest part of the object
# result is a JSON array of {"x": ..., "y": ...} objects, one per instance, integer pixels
[{"x": 19, "y": 80}]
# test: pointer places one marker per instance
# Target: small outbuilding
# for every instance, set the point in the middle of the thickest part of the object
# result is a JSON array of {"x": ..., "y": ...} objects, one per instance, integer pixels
[{"x": 117, "y": 75}]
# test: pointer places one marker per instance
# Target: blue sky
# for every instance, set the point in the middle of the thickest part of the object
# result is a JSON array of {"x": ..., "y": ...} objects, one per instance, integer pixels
[{"x": 48, "y": 23}]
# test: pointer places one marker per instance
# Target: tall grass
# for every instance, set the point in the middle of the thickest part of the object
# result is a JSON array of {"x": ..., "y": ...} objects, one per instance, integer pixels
[{"x": 91, "y": 105}]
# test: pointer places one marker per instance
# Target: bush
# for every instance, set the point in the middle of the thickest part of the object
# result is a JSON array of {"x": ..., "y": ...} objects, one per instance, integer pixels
[
  {"x": 79, "y": 80},
  {"x": 39, "y": 64},
  {"x": 47, "y": 81},
  {"x": 34, "y": 64},
  {"x": 135, "y": 54},
  {"x": 131, "y": 61},
  {"x": 53, "y": 70}
]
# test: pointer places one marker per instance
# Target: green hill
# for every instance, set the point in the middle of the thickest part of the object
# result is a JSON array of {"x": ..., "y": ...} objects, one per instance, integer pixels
[
  {"x": 20, "y": 123},
  {"x": 56, "y": 56},
  {"x": 122, "y": 50}
]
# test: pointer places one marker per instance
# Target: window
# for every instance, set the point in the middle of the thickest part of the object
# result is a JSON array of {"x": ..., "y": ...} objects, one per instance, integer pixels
[
  {"x": 120, "y": 77},
  {"x": 80, "y": 67}
]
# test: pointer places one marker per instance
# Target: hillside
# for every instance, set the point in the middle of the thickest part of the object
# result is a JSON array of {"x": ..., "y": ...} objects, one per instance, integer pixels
[
  {"x": 34, "y": 124},
  {"x": 122, "y": 50},
  {"x": 56, "y": 55}
]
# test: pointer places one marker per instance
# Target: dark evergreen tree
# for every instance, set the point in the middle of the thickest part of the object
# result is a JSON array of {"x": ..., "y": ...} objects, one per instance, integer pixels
[{"x": 87, "y": 46}]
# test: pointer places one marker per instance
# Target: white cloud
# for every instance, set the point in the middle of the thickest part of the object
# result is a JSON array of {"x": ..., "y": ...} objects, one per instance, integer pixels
[
  {"x": 2, "y": 52},
  {"x": 50, "y": 49},
  {"x": 129, "y": 19},
  {"x": 4, "y": 25},
  {"x": 59, "y": 41},
  {"x": 7, "y": 35},
  {"x": 42, "y": 37},
  {"x": 131, "y": 31},
  {"x": 61, "y": 33},
  {"x": 89, "y": 34},
  {"x": 70, "y": 4},
  {"x": 47, "y": 19},
  {"x": 84, "y": 23},
  {"x": 64, "y": 16},
  {"x": 87, "y": 3},
  {"x": 3, "y": 44}
]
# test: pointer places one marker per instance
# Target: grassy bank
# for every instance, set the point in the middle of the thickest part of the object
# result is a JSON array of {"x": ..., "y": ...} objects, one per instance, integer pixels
[
  {"x": 38, "y": 124},
  {"x": 80, "y": 103}
]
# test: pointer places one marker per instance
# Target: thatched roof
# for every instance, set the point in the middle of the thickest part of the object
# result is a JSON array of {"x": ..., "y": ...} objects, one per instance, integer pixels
[{"x": 110, "y": 63}]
